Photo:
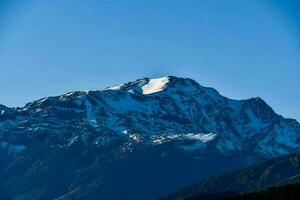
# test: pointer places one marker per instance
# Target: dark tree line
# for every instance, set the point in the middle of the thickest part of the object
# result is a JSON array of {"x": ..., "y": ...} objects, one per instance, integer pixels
[{"x": 286, "y": 192}]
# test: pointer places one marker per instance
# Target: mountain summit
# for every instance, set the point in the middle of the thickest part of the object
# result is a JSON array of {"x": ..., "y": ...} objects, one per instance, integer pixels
[
  {"x": 147, "y": 86},
  {"x": 134, "y": 138}
]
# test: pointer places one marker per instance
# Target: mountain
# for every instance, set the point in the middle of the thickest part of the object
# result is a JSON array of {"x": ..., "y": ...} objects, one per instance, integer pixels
[
  {"x": 138, "y": 140},
  {"x": 274, "y": 172}
]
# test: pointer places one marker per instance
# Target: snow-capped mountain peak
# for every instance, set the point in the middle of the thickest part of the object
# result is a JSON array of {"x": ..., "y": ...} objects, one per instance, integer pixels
[
  {"x": 144, "y": 86},
  {"x": 148, "y": 86},
  {"x": 159, "y": 108},
  {"x": 162, "y": 119}
]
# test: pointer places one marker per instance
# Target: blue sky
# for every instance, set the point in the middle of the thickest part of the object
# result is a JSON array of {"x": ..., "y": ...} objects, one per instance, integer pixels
[{"x": 243, "y": 48}]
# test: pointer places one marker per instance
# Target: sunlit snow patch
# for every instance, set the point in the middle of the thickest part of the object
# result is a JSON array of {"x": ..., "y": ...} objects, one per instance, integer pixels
[
  {"x": 198, "y": 141},
  {"x": 192, "y": 141},
  {"x": 155, "y": 85},
  {"x": 115, "y": 87},
  {"x": 201, "y": 136}
]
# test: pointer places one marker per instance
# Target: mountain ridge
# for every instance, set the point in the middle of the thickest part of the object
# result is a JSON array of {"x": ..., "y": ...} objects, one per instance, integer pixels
[
  {"x": 271, "y": 173},
  {"x": 137, "y": 131},
  {"x": 129, "y": 82}
]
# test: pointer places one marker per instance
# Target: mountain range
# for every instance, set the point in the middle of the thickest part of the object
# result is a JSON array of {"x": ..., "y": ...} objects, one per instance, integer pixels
[{"x": 138, "y": 140}]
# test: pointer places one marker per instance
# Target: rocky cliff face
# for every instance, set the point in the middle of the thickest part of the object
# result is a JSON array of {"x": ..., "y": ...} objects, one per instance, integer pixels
[{"x": 130, "y": 140}]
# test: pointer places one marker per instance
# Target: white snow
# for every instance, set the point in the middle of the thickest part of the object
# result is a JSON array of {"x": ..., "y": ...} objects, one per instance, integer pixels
[
  {"x": 135, "y": 137},
  {"x": 196, "y": 141},
  {"x": 158, "y": 139},
  {"x": 73, "y": 140},
  {"x": 199, "y": 141},
  {"x": 43, "y": 100},
  {"x": 155, "y": 85},
  {"x": 2, "y": 112},
  {"x": 116, "y": 87},
  {"x": 152, "y": 86},
  {"x": 70, "y": 93},
  {"x": 38, "y": 110},
  {"x": 201, "y": 136}
]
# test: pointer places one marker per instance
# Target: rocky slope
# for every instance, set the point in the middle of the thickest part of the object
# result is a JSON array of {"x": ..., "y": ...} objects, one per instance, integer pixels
[
  {"x": 143, "y": 139},
  {"x": 274, "y": 172}
]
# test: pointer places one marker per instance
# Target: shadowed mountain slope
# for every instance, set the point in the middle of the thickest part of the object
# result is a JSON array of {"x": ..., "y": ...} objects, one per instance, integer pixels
[{"x": 274, "y": 172}]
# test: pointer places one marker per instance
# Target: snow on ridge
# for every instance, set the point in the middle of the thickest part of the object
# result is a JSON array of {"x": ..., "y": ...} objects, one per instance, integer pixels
[
  {"x": 204, "y": 137},
  {"x": 155, "y": 85},
  {"x": 201, "y": 137},
  {"x": 152, "y": 86},
  {"x": 115, "y": 87}
]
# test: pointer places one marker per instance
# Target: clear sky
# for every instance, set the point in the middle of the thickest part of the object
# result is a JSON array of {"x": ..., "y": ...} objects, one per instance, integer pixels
[{"x": 243, "y": 48}]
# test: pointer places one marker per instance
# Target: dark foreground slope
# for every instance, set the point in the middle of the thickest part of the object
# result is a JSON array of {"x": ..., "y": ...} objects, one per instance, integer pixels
[
  {"x": 284, "y": 192},
  {"x": 274, "y": 172},
  {"x": 138, "y": 140}
]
